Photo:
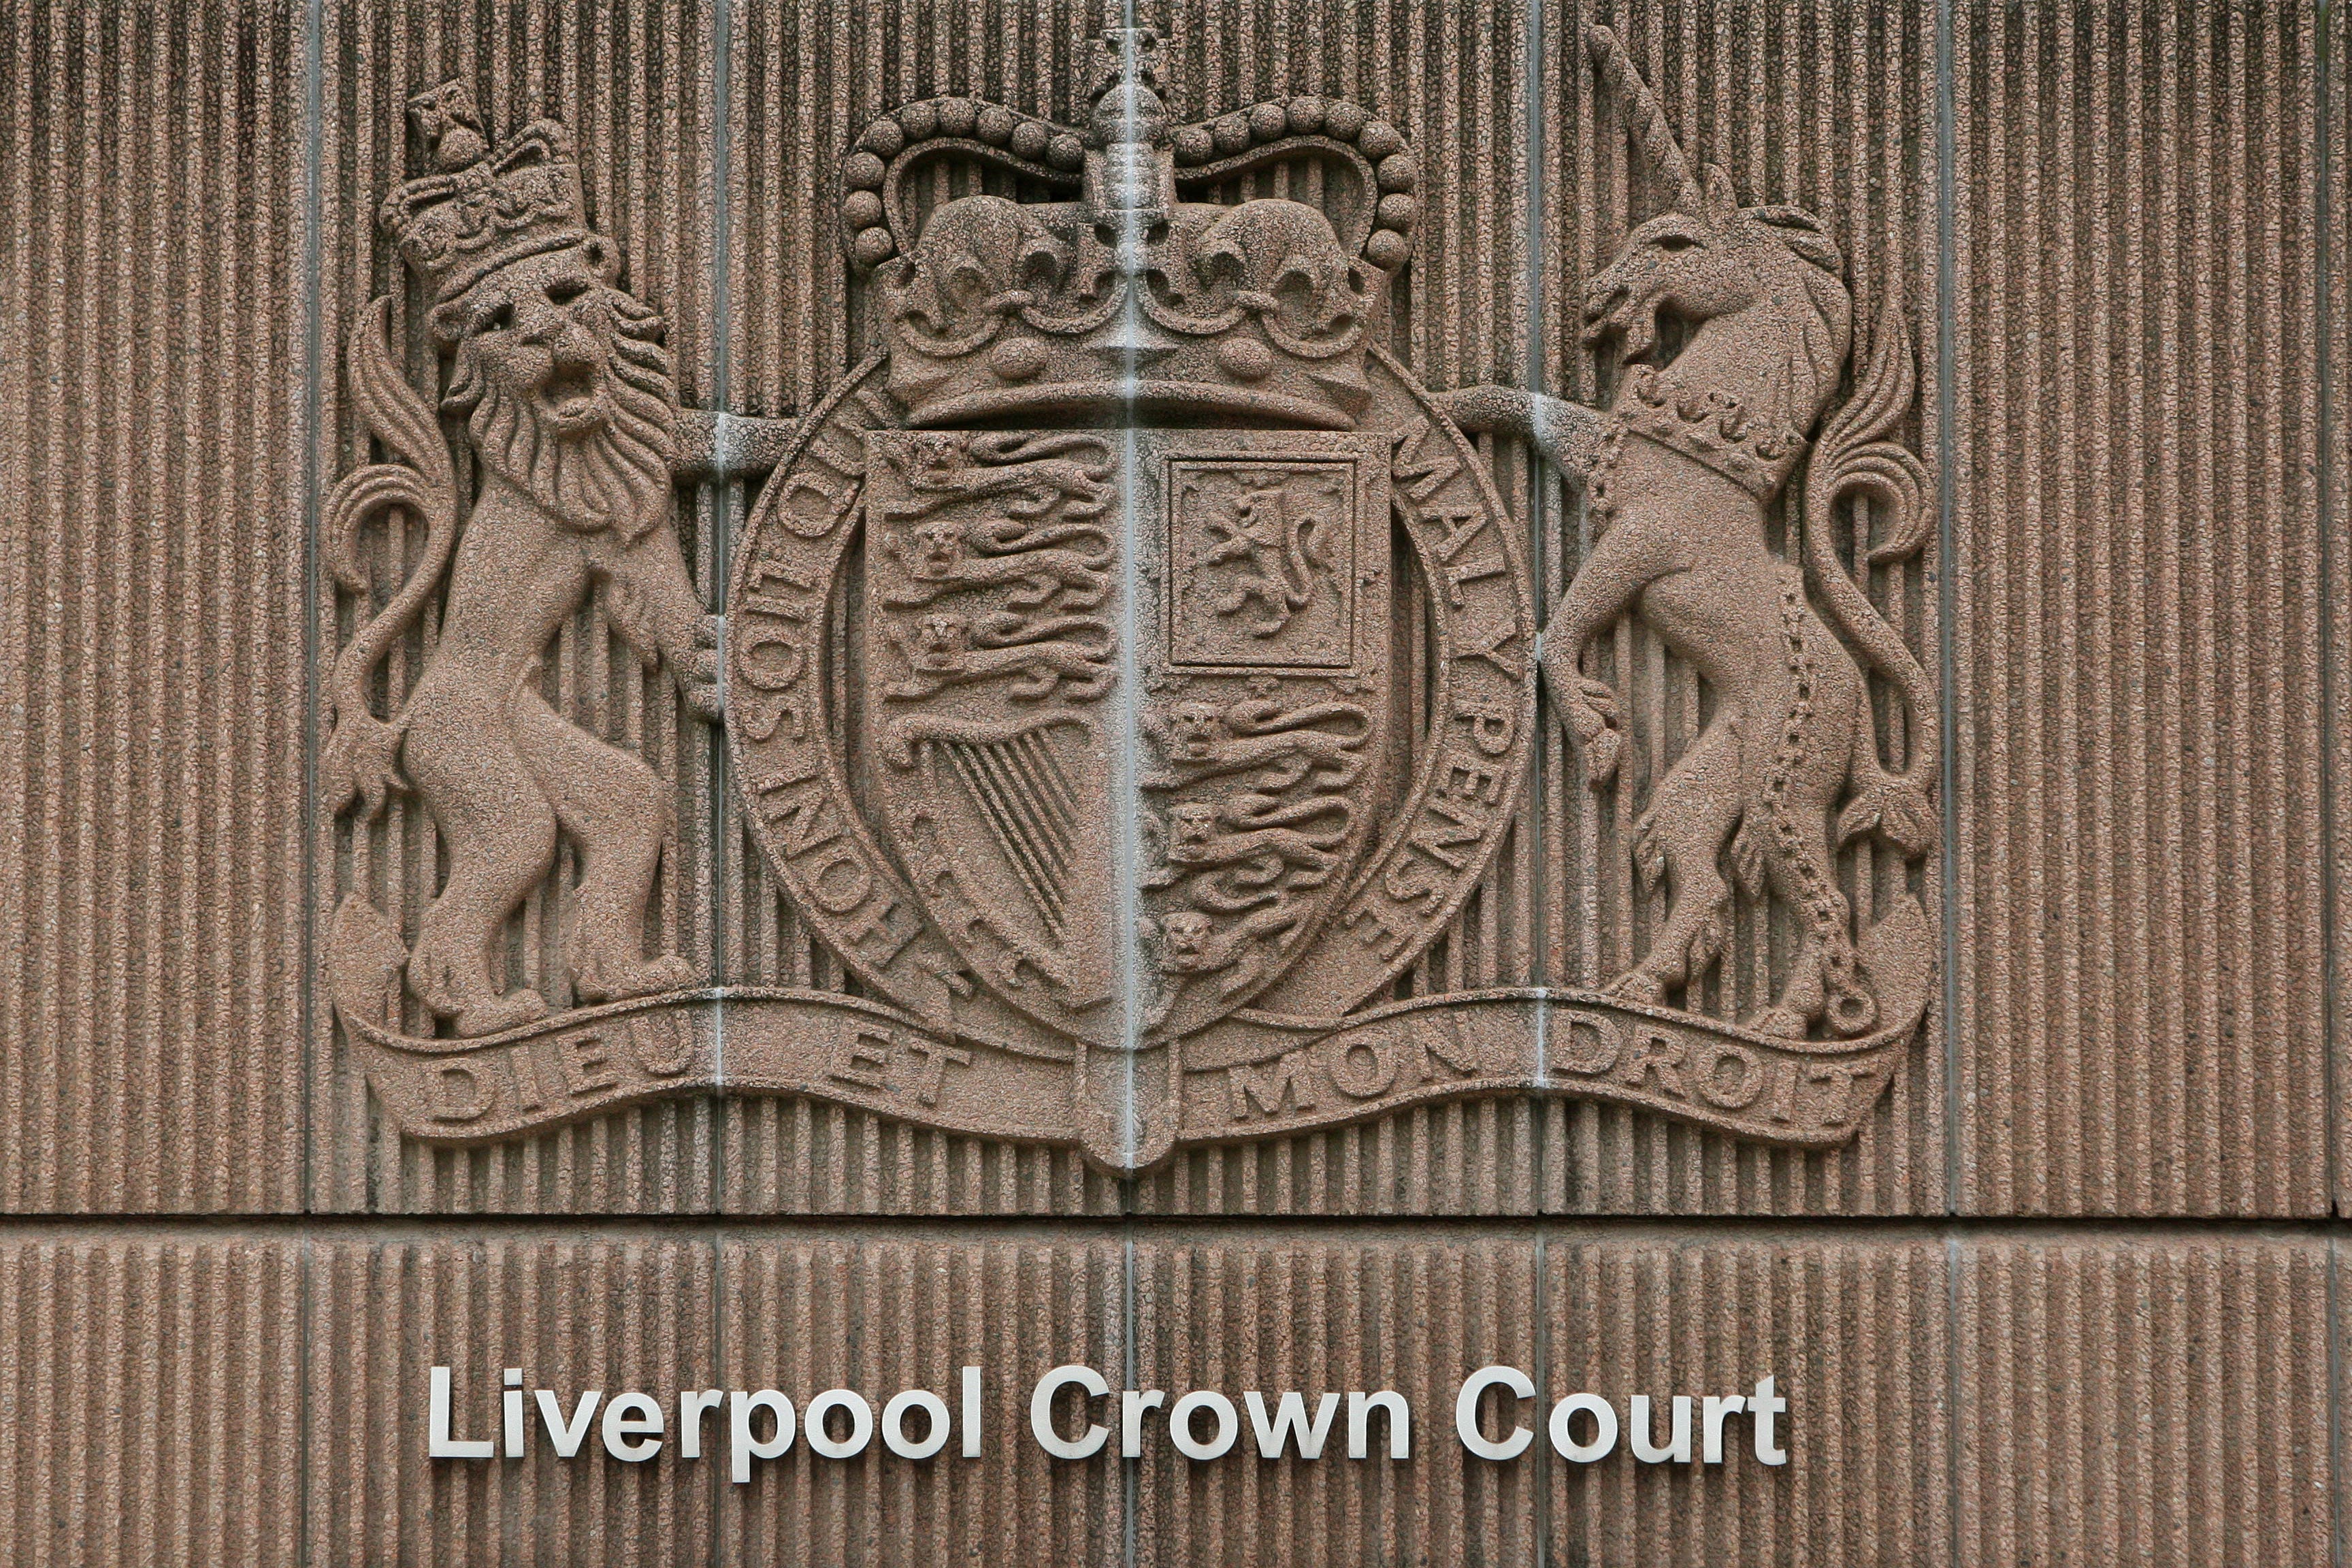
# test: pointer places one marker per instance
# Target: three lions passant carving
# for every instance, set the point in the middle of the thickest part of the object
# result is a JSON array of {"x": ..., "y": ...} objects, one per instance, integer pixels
[
  {"x": 1679, "y": 473},
  {"x": 564, "y": 385}
]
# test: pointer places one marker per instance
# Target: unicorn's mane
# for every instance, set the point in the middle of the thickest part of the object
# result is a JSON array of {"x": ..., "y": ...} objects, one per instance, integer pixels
[{"x": 1802, "y": 264}]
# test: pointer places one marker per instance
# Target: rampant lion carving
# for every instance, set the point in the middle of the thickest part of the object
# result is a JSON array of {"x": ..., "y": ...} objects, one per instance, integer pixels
[{"x": 561, "y": 379}]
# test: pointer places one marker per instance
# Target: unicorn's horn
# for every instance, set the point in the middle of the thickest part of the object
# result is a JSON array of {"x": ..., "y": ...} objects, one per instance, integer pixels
[{"x": 1646, "y": 118}]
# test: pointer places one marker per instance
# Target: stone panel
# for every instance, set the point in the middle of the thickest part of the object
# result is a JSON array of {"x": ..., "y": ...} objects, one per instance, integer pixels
[
  {"x": 633, "y": 86},
  {"x": 1282, "y": 1309},
  {"x": 2137, "y": 631},
  {"x": 2162, "y": 1401},
  {"x": 152, "y": 732},
  {"x": 1853, "y": 1331},
  {"x": 2070, "y": 1295},
  {"x": 1831, "y": 107},
  {"x": 150, "y": 1385},
  {"x": 908, "y": 1307},
  {"x": 609, "y": 1313}
]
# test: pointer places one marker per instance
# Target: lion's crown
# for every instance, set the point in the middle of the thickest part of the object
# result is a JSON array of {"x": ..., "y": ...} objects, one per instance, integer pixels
[{"x": 481, "y": 207}]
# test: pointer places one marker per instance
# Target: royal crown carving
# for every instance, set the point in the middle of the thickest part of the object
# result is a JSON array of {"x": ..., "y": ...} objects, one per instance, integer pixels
[
  {"x": 482, "y": 208},
  {"x": 562, "y": 385},
  {"x": 1129, "y": 671},
  {"x": 1126, "y": 291}
]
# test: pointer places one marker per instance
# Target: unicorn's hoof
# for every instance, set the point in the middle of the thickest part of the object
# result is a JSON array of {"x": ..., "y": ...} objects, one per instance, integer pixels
[
  {"x": 1634, "y": 985},
  {"x": 1852, "y": 1013},
  {"x": 1786, "y": 1023}
]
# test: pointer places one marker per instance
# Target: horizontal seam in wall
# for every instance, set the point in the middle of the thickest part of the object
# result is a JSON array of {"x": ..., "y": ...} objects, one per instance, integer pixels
[{"x": 1076, "y": 1228}]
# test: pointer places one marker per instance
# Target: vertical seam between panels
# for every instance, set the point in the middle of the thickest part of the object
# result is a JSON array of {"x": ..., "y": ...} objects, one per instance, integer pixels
[
  {"x": 1125, "y": 807},
  {"x": 2330, "y": 887},
  {"x": 722, "y": 521},
  {"x": 307, "y": 419},
  {"x": 721, "y": 512},
  {"x": 314, "y": 218},
  {"x": 2334, "y": 1415},
  {"x": 1948, "y": 737},
  {"x": 1954, "y": 1265},
  {"x": 1538, "y": 483},
  {"x": 1131, "y": 1471},
  {"x": 1948, "y": 588}
]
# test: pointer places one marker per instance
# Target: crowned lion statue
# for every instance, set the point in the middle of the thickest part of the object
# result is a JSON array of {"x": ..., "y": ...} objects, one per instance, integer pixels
[{"x": 563, "y": 386}]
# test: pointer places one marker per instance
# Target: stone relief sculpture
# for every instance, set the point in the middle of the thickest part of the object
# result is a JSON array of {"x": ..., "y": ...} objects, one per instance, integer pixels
[
  {"x": 1130, "y": 669},
  {"x": 565, "y": 387},
  {"x": 1114, "y": 778},
  {"x": 1678, "y": 473}
]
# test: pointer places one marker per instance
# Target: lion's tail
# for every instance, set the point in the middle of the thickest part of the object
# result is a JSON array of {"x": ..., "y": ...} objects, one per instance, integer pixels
[
  {"x": 362, "y": 756},
  {"x": 1855, "y": 457}
]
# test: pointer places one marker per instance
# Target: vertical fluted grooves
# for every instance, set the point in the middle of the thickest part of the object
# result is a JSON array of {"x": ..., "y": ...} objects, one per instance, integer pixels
[
  {"x": 2149, "y": 564},
  {"x": 908, "y": 1309},
  {"x": 151, "y": 644},
  {"x": 1287, "y": 1311},
  {"x": 610, "y": 1314},
  {"x": 1857, "y": 1327},
  {"x": 2162, "y": 1402},
  {"x": 2153, "y": 1400},
  {"x": 2139, "y": 635},
  {"x": 152, "y": 1395}
]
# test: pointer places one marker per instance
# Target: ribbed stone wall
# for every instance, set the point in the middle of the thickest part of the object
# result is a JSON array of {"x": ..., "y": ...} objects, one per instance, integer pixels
[{"x": 2061, "y": 1288}]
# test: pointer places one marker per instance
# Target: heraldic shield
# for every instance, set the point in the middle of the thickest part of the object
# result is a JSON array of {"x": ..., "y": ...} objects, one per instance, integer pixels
[
  {"x": 1064, "y": 645},
  {"x": 1198, "y": 799}
]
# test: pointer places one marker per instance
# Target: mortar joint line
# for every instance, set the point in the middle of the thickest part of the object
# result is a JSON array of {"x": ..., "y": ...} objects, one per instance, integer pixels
[
  {"x": 1947, "y": 741},
  {"x": 1955, "y": 1263},
  {"x": 2328, "y": 15},
  {"x": 2052, "y": 1229},
  {"x": 721, "y": 510},
  {"x": 720, "y": 1374},
  {"x": 2330, "y": 680},
  {"x": 2334, "y": 1357},
  {"x": 313, "y": 220},
  {"x": 1127, "y": 803},
  {"x": 1948, "y": 588}
]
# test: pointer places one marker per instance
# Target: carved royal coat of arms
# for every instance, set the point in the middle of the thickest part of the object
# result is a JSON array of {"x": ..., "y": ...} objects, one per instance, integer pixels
[{"x": 1128, "y": 669}]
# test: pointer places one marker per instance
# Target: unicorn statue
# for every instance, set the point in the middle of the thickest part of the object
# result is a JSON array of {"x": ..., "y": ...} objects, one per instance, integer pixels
[{"x": 1680, "y": 473}]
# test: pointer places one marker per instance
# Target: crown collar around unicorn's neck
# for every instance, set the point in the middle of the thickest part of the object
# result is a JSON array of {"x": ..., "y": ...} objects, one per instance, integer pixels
[
  {"x": 1710, "y": 428},
  {"x": 1067, "y": 273}
]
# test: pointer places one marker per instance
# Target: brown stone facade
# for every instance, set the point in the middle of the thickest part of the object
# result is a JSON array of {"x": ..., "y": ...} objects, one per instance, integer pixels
[{"x": 1261, "y": 695}]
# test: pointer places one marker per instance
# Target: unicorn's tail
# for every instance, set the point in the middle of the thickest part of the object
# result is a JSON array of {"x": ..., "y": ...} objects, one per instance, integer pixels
[{"x": 1855, "y": 459}]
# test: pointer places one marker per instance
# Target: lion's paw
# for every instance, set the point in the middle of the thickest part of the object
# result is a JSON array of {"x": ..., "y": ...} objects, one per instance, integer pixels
[
  {"x": 670, "y": 971},
  {"x": 510, "y": 1011},
  {"x": 698, "y": 670}
]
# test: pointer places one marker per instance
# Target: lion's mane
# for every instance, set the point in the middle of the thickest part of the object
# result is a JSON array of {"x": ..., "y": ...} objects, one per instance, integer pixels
[{"x": 615, "y": 476}]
